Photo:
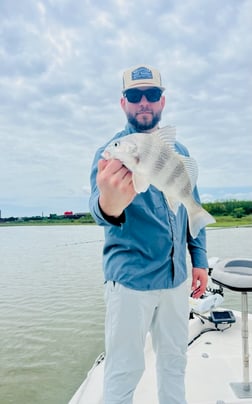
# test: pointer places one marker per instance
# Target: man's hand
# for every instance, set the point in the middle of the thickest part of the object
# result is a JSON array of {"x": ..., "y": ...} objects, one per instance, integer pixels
[
  {"x": 114, "y": 181},
  {"x": 199, "y": 282}
]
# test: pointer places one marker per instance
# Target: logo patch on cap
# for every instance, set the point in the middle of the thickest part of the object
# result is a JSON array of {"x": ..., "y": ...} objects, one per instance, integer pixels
[{"x": 141, "y": 73}]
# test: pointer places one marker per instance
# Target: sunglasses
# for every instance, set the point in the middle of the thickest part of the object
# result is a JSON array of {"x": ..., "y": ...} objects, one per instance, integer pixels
[{"x": 135, "y": 95}]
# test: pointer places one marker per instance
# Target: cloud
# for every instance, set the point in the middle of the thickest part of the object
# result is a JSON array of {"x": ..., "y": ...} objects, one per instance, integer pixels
[{"x": 61, "y": 64}]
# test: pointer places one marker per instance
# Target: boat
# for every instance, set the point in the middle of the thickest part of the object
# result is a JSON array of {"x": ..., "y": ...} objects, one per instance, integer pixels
[{"x": 218, "y": 368}]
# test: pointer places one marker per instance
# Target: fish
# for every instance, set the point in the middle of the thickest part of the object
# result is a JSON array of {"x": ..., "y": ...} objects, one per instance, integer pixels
[{"x": 153, "y": 160}]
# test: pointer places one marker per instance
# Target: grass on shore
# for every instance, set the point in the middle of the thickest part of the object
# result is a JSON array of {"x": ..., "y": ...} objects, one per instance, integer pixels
[
  {"x": 230, "y": 221},
  {"x": 221, "y": 221}
]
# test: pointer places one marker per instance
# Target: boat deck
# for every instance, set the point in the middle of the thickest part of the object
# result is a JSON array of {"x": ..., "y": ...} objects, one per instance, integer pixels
[{"x": 214, "y": 361}]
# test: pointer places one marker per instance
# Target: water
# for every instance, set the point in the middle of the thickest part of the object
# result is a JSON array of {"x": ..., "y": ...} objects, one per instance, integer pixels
[{"x": 52, "y": 311}]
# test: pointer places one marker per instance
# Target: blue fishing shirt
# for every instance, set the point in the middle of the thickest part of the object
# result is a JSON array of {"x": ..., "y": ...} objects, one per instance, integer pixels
[{"x": 146, "y": 249}]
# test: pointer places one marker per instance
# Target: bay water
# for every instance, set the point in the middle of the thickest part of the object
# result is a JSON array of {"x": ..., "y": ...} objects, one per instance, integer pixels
[{"x": 52, "y": 309}]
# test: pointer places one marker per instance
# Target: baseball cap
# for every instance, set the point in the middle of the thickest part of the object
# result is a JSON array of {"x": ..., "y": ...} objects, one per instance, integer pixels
[{"x": 142, "y": 76}]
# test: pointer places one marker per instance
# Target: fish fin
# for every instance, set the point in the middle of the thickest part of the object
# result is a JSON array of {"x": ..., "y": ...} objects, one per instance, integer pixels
[
  {"x": 141, "y": 183},
  {"x": 198, "y": 218},
  {"x": 191, "y": 169},
  {"x": 167, "y": 134},
  {"x": 173, "y": 204}
]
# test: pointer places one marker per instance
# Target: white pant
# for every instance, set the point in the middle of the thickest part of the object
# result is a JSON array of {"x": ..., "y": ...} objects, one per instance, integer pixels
[{"x": 130, "y": 315}]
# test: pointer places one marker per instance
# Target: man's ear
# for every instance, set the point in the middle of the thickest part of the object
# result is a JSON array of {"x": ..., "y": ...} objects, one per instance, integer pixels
[
  {"x": 162, "y": 101},
  {"x": 123, "y": 103}
]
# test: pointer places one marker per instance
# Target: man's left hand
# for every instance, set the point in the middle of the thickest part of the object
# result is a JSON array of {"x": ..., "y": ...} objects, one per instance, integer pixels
[{"x": 199, "y": 282}]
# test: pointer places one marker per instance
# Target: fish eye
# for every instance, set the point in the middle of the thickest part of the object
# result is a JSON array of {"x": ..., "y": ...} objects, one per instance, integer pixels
[{"x": 117, "y": 144}]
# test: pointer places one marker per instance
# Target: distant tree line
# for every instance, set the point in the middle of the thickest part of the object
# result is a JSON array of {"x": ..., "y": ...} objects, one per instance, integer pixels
[
  {"x": 52, "y": 218},
  {"x": 232, "y": 208}
]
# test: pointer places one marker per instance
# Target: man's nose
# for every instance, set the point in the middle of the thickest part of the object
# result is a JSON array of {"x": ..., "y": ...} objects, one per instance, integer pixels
[{"x": 143, "y": 100}]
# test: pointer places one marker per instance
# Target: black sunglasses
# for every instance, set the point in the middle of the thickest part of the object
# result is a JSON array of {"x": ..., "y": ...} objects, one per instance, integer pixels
[{"x": 134, "y": 95}]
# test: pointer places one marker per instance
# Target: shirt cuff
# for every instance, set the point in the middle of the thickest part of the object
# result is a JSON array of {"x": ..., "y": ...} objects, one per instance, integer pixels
[{"x": 117, "y": 221}]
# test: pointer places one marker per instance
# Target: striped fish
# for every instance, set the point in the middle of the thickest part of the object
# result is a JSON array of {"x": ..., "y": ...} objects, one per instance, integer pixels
[{"x": 152, "y": 158}]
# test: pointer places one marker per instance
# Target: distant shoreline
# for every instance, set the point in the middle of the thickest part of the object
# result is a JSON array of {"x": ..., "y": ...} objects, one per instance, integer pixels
[
  {"x": 49, "y": 224},
  {"x": 230, "y": 213},
  {"x": 220, "y": 223}
]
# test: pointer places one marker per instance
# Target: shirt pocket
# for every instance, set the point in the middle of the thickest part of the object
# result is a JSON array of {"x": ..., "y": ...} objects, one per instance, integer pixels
[{"x": 152, "y": 200}]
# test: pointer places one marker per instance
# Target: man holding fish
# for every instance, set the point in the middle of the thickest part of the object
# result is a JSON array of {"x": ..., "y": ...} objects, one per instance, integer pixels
[{"x": 143, "y": 191}]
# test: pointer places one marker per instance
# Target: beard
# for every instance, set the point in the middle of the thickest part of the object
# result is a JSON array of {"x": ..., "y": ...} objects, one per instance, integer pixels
[{"x": 145, "y": 124}]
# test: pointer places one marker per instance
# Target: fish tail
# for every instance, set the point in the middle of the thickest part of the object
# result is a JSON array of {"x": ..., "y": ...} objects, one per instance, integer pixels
[{"x": 198, "y": 218}]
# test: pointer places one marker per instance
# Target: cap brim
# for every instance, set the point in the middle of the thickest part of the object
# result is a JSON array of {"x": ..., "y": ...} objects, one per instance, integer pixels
[{"x": 139, "y": 85}]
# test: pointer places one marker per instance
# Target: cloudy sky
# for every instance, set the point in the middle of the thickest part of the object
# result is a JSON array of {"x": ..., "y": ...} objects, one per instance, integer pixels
[{"x": 61, "y": 63}]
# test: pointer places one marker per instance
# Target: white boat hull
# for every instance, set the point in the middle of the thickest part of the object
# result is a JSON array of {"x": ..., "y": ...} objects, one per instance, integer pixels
[{"x": 214, "y": 362}]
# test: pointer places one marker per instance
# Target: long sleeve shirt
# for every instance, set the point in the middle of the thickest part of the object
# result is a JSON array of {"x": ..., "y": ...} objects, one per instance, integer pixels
[{"x": 146, "y": 248}]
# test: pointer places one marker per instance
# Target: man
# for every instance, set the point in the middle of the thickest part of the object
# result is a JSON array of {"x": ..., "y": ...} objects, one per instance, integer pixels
[{"x": 144, "y": 260}]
